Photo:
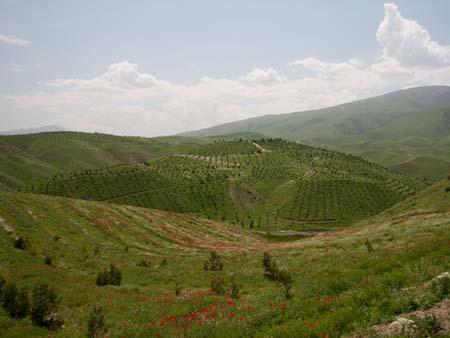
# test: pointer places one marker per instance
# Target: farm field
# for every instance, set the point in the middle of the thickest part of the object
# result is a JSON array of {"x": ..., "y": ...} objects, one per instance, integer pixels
[
  {"x": 24, "y": 158},
  {"x": 341, "y": 286},
  {"x": 245, "y": 183}
]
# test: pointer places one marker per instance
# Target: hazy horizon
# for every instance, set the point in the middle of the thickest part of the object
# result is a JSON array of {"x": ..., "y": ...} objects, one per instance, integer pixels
[{"x": 160, "y": 69}]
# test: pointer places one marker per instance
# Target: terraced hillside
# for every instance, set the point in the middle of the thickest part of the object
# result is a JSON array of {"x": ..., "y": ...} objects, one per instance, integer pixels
[
  {"x": 339, "y": 287},
  {"x": 407, "y": 129},
  {"x": 27, "y": 157},
  {"x": 246, "y": 183}
]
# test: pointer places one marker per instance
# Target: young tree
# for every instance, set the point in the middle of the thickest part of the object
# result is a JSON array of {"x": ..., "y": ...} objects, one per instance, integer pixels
[
  {"x": 44, "y": 311},
  {"x": 96, "y": 323},
  {"x": 214, "y": 263}
]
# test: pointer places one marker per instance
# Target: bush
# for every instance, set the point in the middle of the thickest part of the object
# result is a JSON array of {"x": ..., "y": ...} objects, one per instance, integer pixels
[
  {"x": 45, "y": 307},
  {"x": 369, "y": 246},
  {"x": 427, "y": 326},
  {"x": 214, "y": 263},
  {"x": 112, "y": 277},
  {"x": 96, "y": 323},
  {"x": 270, "y": 267},
  {"x": 218, "y": 285},
  {"x": 48, "y": 260},
  {"x": 15, "y": 301},
  {"x": 273, "y": 272},
  {"x": 163, "y": 262},
  {"x": 21, "y": 243},
  {"x": 440, "y": 286}
]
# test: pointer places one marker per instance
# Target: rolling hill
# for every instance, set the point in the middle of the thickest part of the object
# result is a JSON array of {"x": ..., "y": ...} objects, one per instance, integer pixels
[
  {"x": 24, "y": 158},
  {"x": 395, "y": 129},
  {"x": 246, "y": 183},
  {"x": 339, "y": 287}
]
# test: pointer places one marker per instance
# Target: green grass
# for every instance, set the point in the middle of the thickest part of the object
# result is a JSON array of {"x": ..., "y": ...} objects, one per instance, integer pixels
[
  {"x": 339, "y": 288},
  {"x": 295, "y": 186}
]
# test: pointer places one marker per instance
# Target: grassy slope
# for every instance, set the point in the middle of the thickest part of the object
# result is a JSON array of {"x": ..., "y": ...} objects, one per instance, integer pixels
[
  {"x": 27, "y": 157},
  {"x": 400, "y": 126},
  {"x": 339, "y": 288},
  {"x": 297, "y": 185}
]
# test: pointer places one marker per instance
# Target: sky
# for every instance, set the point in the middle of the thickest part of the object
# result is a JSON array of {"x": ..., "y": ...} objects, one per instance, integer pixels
[{"x": 152, "y": 68}]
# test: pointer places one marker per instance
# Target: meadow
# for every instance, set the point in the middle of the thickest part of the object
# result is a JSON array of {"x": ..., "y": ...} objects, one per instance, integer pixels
[{"x": 341, "y": 285}]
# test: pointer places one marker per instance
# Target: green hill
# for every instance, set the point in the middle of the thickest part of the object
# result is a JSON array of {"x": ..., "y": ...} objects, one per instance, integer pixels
[
  {"x": 27, "y": 157},
  {"x": 417, "y": 118},
  {"x": 339, "y": 287},
  {"x": 244, "y": 183}
]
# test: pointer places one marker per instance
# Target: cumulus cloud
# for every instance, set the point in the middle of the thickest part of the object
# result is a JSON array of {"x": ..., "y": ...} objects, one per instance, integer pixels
[
  {"x": 14, "y": 40},
  {"x": 408, "y": 42},
  {"x": 126, "y": 100}
]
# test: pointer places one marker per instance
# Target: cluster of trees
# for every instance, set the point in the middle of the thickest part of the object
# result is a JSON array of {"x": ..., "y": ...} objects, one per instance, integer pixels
[{"x": 43, "y": 304}]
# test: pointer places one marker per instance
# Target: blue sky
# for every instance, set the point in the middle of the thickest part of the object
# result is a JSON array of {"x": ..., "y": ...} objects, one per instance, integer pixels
[{"x": 180, "y": 65}]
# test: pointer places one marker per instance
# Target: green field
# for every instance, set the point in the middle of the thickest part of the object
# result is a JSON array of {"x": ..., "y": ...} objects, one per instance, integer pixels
[
  {"x": 245, "y": 183},
  {"x": 339, "y": 287}
]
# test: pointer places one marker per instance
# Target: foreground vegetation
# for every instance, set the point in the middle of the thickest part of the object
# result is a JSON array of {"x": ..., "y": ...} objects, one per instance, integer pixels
[{"x": 342, "y": 283}]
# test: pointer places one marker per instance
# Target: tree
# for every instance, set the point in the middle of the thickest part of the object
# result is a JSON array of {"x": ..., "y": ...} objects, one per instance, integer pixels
[
  {"x": 214, "y": 263},
  {"x": 15, "y": 301},
  {"x": 96, "y": 323},
  {"x": 45, "y": 307}
]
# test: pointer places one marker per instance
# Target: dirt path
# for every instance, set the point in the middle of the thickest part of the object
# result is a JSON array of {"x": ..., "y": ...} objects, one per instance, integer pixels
[
  {"x": 261, "y": 148},
  {"x": 5, "y": 225}
]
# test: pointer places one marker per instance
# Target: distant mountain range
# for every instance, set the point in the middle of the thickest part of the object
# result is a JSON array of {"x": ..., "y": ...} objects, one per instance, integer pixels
[
  {"x": 407, "y": 129},
  {"x": 43, "y": 129}
]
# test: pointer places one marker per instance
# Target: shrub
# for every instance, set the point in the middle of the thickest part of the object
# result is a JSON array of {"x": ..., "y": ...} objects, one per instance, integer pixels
[
  {"x": 369, "y": 246},
  {"x": 235, "y": 289},
  {"x": 21, "y": 243},
  {"x": 428, "y": 326},
  {"x": 45, "y": 307},
  {"x": 447, "y": 189},
  {"x": 48, "y": 260},
  {"x": 96, "y": 323},
  {"x": 15, "y": 301},
  {"x": 163, "y": 262},
  {"x": 56, "y": 238},
  {"x": 440, "y": 286},
  {"x": 112, "y": 277},
  {"x": 286, "y": 280},
  {"x": 270, "y": 267},
  {"x": 214, "y": 263},
  {"x": 273, "y": 272},
  {"x": 218, "y": 285}
]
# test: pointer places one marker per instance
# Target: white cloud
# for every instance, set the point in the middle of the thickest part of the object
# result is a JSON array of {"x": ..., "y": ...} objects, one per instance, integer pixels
[
  {"x": 16, "y": 68},
  {"x": 408, "y": 42},
  {"x": 14, "y": 40},
  {"x": 265, "y": 77},
  {"x": 125, "y": 100}
]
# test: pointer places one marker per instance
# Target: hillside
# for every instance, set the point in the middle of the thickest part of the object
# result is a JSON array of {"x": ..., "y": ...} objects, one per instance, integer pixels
[
  {"x": 24, "y": 158},
  {"x": 339, "y": 288},
  {"x": 246, "y": 183},
  {"x": 417, "y": 118}
]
